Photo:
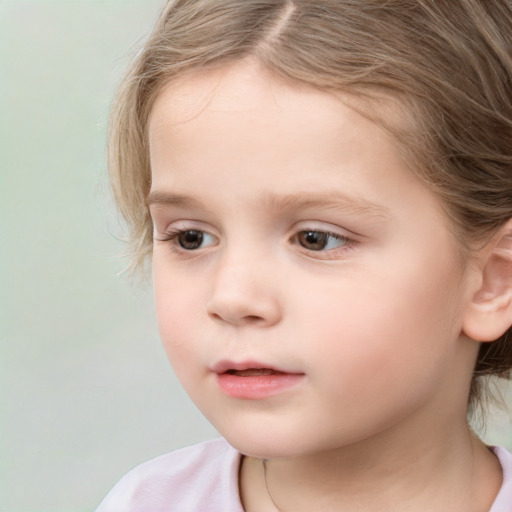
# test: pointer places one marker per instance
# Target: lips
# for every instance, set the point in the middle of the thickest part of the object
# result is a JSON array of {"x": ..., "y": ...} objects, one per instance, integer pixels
[
  {"x": 246, "y": 368},
  {"x": 251, "y": 380}
]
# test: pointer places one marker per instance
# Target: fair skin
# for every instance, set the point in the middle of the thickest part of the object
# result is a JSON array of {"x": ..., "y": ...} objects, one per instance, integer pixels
[{"x": 290, "y": 236}]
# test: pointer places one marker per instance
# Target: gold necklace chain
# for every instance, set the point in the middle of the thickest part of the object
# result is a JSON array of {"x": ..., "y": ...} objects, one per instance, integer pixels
[{"x": 266, "y": 485}]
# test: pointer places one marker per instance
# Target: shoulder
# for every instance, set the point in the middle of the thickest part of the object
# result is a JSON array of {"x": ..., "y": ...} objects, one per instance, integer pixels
[
  {"x": 503, "y": 501},
  {"x": 203, "y": 477}
]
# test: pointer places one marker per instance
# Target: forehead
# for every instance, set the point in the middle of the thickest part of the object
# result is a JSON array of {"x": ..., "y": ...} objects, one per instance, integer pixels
[
  {"x": 241, "y": 86},
  {"x": 243, "y": 109},
  {"x": 247, "y": 86},
  {"x": 234, "y": 109},
  {"x": 242, "y": 125}
]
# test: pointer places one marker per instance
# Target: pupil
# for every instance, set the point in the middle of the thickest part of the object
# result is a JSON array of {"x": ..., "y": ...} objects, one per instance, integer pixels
[
  {"x": 191, "y": 239},
  {"x": 314, "y": 240}
]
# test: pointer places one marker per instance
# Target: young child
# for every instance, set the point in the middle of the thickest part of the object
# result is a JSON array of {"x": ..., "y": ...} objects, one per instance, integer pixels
[{"x": 326, "y": 191}]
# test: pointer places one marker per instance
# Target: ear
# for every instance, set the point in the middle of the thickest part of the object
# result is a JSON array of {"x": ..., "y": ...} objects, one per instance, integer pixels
[{"x": 489, "y": 313}]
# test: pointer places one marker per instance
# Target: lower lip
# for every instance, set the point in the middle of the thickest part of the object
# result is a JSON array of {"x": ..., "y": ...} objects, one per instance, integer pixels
[{"x": 257, "y": 387}]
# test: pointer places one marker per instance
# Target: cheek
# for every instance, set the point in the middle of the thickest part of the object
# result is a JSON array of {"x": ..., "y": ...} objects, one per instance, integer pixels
[
  {"x": 380, "y": 352},
  {"x": 386, "y": 327},
  {"x": 177, "y": 311}
]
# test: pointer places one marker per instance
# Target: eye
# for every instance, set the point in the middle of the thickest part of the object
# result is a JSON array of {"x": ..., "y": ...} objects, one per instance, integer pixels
[
  {"x": 191, "y": 239},
  {"x": 188, "y": 239},
  {"x": 320, "y": 240}
]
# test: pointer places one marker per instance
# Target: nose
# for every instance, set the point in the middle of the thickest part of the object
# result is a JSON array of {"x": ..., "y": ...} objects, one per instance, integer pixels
[{"x": 245, "y": 292}]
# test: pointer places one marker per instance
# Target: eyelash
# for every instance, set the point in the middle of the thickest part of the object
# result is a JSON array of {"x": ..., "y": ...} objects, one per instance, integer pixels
[
  {"x": 325, "y": 236},
  {"x": 172, "y": 237}
]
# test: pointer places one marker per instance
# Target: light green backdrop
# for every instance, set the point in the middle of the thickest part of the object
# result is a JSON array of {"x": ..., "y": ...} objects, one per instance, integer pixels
[{"x": 86, "y": 390}]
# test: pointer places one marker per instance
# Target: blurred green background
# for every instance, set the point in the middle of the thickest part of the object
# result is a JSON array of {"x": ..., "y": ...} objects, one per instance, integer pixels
[{"x": 86, "y": 390}]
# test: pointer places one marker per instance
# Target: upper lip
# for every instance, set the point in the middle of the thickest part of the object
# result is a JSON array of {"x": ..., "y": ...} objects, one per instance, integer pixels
[{"x": 225, "y": 365}]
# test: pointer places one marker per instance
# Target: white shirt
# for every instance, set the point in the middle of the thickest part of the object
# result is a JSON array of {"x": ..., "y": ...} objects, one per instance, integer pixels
[{"x": 204, "y": 478}]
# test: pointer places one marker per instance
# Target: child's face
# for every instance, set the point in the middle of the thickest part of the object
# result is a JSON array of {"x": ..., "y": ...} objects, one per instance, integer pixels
[{"x": 301, "y": 243}]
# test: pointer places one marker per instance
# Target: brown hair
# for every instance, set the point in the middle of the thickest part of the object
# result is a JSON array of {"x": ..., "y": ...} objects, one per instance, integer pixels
[{"x": 448, "y": 62}]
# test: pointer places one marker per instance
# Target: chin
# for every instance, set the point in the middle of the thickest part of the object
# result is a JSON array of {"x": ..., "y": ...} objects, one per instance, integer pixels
[{"x": 267, "y": 443}]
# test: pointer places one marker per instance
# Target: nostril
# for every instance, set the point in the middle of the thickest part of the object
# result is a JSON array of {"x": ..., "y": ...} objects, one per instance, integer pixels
[
  {"x": 253, "y": 318},
  {"x": 239, "y": 319}
]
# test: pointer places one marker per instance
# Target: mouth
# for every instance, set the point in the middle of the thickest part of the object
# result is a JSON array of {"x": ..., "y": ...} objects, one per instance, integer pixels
[
  {"x": 248, "y": 368},
  {"x": 252, "y": 380},
  {"x": 254, "y": 372}
]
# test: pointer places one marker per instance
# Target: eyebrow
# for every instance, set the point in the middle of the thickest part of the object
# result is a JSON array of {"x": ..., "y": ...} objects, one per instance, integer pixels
[
  {"x": 169, "y": 199},
  {"x": 335, "y": 201}
]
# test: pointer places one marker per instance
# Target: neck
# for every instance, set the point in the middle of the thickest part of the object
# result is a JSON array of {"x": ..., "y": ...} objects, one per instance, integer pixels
[{"x": 447, "y": 471}]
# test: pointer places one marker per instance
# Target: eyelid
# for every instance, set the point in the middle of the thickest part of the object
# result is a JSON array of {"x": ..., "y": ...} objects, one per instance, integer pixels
[
  {"x": 164, "y": 227},
  {"x": 350, "y": 240},
  {"x": 171, "y": 234},
  {"x": 326, "y": 227},
  {"x": 172, "y": 241},
  {"x": 331, "y": 234}
]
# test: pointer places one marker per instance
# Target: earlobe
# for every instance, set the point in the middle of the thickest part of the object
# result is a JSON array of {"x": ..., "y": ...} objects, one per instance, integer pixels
[{"x": 489, "y": 313}]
